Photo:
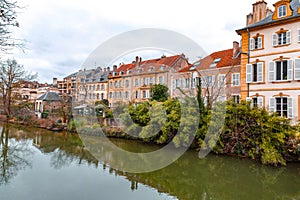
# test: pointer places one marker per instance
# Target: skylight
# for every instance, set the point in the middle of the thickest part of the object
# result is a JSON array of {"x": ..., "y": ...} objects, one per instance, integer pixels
[{"x": 215, "y": 62}]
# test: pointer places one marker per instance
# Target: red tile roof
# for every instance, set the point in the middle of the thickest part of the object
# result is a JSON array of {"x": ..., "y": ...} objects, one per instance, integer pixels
[
  {"x": 206, "y": 62},
  {"x": 166, "y": 61},
  {"x": 226, "y": 59}
]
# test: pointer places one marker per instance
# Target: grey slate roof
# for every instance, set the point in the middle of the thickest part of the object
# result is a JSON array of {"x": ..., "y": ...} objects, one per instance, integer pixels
[
  {"x": 50, "y": 96},
  {"x": 294, "y": 6}
]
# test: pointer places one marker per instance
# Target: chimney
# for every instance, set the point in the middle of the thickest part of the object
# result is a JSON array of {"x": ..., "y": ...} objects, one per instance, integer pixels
[
  {"x": 100, "y": 71},
  {"x": 236, "y": 49},
  {"x": 136, "y": 61},
  {"x": 108, "y": 69},
  {"x": 54, "y": 81},
  {"x": 115, "y": 67},
  {"x": 259, "y": 12}
]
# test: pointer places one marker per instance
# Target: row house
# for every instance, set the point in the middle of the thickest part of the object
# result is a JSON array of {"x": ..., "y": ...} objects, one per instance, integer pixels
[
  {"x": 92, "y": 85},
  {"x": 219, "y": 73},
  {"x": 270, "y": 59},
  {"x": 132, "y": 82}
]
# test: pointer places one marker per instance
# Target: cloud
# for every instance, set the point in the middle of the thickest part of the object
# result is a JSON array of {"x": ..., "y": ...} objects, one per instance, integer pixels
[{"x": 62, "y": 34}]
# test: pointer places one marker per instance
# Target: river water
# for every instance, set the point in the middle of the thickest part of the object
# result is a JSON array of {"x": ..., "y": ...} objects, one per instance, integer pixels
[{"x": 41, "y": 165}]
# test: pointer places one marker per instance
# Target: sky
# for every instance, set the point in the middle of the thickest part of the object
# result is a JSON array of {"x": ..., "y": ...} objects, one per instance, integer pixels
[{"x": 60, "y": 35}]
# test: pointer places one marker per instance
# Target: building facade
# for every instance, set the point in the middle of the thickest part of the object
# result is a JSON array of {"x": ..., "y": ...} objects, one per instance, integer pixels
[
  {"x": 132, "y": 82},
  {"x": 270, "y": 71}
]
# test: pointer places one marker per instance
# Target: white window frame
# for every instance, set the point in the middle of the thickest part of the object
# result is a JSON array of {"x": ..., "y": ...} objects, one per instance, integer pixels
[
  {"x": 250, "y": 71},
  {"x": 297, "y": 69},
  {"x": 222, "y": 80},
  {"x": 273, "y": 106},
  {"x": 282, "y": 11},
  {"x": 236, "y": 80},
  {"x": 298, "y": 34}
]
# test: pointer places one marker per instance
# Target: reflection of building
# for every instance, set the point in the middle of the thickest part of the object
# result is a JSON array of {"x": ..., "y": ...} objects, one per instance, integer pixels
[
  {"x": 50, "y": 101},
  {"x": 270, "y": 70},
  {"x": 132, "y": 82}
]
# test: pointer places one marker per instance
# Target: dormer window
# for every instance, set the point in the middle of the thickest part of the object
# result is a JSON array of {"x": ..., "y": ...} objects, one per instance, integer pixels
[
  {"x": 215, "y": 62},
  {"x": 282, "y": 11}
]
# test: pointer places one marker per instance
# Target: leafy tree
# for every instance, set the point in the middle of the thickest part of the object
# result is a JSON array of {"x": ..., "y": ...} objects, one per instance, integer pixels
[
  {"x": 11, "y": 73},
  {"x": 159, "y": 93}
]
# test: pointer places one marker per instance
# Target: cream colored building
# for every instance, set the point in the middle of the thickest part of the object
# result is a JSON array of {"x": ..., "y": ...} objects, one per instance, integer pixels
[{"x": 271, "y": 58}]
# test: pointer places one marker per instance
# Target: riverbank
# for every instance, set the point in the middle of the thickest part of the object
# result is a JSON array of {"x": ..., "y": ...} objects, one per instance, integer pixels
[{"x": 49, "y": 124}]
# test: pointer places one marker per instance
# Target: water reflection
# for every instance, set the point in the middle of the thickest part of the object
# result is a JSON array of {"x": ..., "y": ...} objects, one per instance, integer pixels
[
  {"x": 214, "y": 177},
  {"x": 15, "y": 154}
]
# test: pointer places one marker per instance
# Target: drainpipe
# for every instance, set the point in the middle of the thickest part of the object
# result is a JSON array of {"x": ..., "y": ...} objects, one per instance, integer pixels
[{"x": 248, "y": 84}]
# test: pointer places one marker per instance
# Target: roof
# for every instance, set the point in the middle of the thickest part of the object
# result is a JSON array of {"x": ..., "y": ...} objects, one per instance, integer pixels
[
  {"x": 219, "y": 59},
  {"x": 154, "y": 63},
  {"x": 269, "y": 19},
  {"x": 50, "y": 96}
]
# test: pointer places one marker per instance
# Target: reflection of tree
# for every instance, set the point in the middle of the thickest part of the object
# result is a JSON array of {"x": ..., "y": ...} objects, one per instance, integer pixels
[
  {"x": 14, "y": 156},
  {"x": 61, "y": 159}
]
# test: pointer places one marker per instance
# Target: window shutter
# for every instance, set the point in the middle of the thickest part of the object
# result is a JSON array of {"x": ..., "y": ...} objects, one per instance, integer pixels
[
  {"x": 259, "y": 42},
  {"x": 297, "y": 69},
  {"x": 252, "y": 43},
  {"x": 274, "y": 39},
  {"x": 260, "y": 72},
  {"x": 260, "y": 102},
  {"x": 213, "y": 79},
  {"x": 290, "y": 70},
  {"x": 288, "y": 37},
  {"x": 271, "y": 71},
  {"x": 272, "y": 104},
  {"x": 290, "y": 108},
  {"x": 249, "y": 73}
]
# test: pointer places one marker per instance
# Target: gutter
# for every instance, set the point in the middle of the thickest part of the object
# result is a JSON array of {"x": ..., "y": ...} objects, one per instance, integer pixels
[{"x": 248, "y": 84}]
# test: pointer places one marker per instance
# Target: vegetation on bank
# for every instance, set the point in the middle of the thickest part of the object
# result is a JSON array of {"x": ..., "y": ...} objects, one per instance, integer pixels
[{"x": 247, "y": 131}]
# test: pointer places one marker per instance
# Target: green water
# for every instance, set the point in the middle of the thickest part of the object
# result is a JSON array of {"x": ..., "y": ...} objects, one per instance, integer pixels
[{"x": 42, "y": 165}]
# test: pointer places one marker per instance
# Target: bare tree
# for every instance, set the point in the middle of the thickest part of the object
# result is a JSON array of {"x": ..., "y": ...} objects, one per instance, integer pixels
[
  {"x": 11, "y": 73},
  {"x": 8, "y": 20}
]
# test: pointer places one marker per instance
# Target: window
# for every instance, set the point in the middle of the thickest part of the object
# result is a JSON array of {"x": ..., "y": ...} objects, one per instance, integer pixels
[
  {"x": 256, "y": 101},
  {"x": 187, "y": 82},
  {"x": 127, "y": 95},
  {"x": 144, "y": 94},
  {"x": 98, "y": 87},
  {"x": 209, "y": 81},
  {"x": 110, "y": 95},
  {"x": 254, "y": 72},
  {"x": 221, "y": 80},
  {"x": 280, "y": 70},
  {"x": 282, "y": 105},
  {"x": 297, "y": 69},
  {"x": 215, "y": 62},
  {"x": 102, "y": 96},
  {"x": 177, "y": 83},
  {"x": 298, "y": 34},
  {"x": 236, "y": 79},
  {"x": 222, "y": 98},
  {"x": 282, "y": 11},
  {"x": 137, "y": 82},
  {"x": 102, "y": 87},
  {"x": 236, "y": 98},
  {"x": 151, "y": 81},
  {"x": 256, "y": 43},
  {"x": 281, "y": 38},
  {"x": 161, "y": 80},
  {"x": 127, "y": 83},
  {"x": 137, "y": 94}
]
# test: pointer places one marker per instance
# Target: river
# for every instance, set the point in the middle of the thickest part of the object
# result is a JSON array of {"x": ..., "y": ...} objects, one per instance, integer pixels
[{"x": 41, "y": 165}]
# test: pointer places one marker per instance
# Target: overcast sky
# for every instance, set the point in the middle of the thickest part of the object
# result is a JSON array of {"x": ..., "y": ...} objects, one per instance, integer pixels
[{"x": 61, "y": 34}]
